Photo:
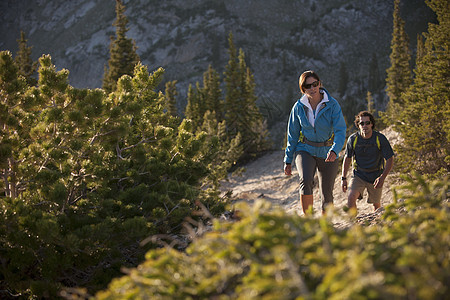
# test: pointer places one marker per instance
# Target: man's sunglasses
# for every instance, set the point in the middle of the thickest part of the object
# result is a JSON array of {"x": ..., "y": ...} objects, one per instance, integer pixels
[
  {"x": 307, "y": 86},
  {"x": 365, "y": 123}
]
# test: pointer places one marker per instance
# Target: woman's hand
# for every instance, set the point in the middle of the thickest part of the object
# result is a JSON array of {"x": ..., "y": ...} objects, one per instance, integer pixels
[
  {"x": 331, "y": 157},
  {"x": 287, "y": 169}
]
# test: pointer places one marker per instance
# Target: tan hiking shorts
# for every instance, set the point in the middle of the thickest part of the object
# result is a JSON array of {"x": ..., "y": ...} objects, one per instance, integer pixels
[{"x": 360, "y": 185}]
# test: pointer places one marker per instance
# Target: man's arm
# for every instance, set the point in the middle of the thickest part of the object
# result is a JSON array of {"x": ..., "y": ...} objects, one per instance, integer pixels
[
  {"x": 380, "y": 180},
  {"x": 345, "y": 166}
]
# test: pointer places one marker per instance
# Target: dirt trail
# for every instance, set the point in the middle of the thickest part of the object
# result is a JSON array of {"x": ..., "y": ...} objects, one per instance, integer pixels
[{"x": 264, "y": 178}]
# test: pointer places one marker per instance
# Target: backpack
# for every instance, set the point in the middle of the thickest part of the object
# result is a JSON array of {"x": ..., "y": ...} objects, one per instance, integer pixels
[{"x": 380, "y": 164}]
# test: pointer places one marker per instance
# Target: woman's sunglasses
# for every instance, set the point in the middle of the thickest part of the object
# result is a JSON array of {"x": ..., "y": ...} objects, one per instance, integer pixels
[{"x": 307, "y": 86}]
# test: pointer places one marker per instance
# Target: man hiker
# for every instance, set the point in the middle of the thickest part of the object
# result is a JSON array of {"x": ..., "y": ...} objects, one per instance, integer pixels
[{"x": 373, "y": 159}]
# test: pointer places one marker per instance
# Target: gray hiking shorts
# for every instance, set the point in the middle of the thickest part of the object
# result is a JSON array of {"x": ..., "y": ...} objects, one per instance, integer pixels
[{"x": 307, "y": 165}]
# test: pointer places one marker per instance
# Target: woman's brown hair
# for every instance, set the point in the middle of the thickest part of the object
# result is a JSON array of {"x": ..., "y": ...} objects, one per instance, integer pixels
[{"x": 305, "y": 75}]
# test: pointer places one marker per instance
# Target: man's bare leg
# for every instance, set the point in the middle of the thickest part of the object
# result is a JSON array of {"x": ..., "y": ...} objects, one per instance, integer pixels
[{"x": 351, "y": 200}]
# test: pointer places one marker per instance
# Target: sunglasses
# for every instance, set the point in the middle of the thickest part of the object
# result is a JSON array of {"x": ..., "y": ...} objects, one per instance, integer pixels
[
  {"x": 307, "y": 86},
  {"x": 365, "y": 123}
]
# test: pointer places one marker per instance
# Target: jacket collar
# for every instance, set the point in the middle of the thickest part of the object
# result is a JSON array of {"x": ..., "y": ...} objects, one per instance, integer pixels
[{"x": 305, "y": 102}]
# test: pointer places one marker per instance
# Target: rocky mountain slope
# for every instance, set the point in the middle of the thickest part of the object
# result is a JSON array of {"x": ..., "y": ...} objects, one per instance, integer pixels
[{"x": 281, "y": 39}]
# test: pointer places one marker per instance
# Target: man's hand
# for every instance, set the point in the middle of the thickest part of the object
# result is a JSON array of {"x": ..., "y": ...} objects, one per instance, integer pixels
[
  {"x": 344, "y": 185},
  {"x": 378, "y": 183},
  {"x": 331, "y": 157},
  {"x": 287, "y": 169}
]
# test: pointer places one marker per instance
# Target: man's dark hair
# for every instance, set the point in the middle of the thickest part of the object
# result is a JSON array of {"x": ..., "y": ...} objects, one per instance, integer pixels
[{"x": 364, "y": 113}]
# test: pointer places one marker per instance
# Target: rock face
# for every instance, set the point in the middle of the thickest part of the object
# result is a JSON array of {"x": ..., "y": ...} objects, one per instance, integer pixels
[{"x": 281, "y": 39}]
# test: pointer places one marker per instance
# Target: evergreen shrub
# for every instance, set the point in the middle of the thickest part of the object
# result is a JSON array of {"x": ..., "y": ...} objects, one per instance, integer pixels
[
  {"x": 269, "y": 254},
  {"x": 90, "y": 176}
]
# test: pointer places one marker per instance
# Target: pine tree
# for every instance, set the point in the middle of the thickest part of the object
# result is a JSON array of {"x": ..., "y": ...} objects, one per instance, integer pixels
[
  {"x": 123, "y": 55},
  {"x": 207, "y": 97},
  {"x": 27, "y": 68},
  {"x": 227, "y": 150},
  {"x": 193, "y": 110},
  {"x": 212, "y": 93},
  {"x": 425, "y": 116},
  {"x": 370, "y": 105},
  {"x": 374, "y": 83},
  {"x": 254, "y": 127},
  {"x": 56, "y": 173},
  {"x": 205, "y": 110},
  {"x": 94, "y": 175},
  {"x": 171, "y": 101},
  {"x": 399, "y": 73},
  {"x": 241, "y": 112},
  {"x": 420, "y": 51},
  {"x": 14, "y": 123},
  {"x": 233, "y": 79}
]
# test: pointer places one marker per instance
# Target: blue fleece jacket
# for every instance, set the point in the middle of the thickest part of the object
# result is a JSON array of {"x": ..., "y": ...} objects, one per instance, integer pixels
[{"x": 329, "y": 120}]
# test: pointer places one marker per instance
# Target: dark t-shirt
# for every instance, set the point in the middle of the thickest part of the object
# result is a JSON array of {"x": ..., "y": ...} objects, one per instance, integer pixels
[{"x": 368, "y": 156}]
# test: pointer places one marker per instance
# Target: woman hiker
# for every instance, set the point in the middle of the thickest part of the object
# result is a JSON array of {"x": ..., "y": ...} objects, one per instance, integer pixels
[{"x": 315, "y": 136}]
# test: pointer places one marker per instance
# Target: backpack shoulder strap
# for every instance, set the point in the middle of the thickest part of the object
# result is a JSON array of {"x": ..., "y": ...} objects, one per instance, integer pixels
[
  {"x": 355, "y": 165},
  {"x": 377, "y": 135},
  {"x": 355, "y": 141},
  {"x": 376, "y": 138}
]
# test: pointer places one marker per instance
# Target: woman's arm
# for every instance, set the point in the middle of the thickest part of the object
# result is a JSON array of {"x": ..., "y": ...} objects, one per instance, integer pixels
[
  {"x": 293, "y": 134},
  {"x": 340, "y": 129}
]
